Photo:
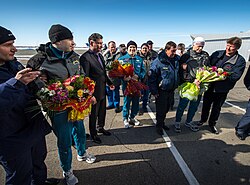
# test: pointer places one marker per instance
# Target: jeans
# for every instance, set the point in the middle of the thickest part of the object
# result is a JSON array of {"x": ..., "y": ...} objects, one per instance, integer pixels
[
  {"x": 113, "y": 96},
  {"x": 145, "y": 99},
  {"x": 126, "y": 106},
  {"x": 64, "y": 129},
  {"x": 193, "y": 106}
]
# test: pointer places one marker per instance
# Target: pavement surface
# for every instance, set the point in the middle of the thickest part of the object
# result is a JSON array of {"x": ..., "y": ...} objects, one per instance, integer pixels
[{"x": 139, "y": 156}]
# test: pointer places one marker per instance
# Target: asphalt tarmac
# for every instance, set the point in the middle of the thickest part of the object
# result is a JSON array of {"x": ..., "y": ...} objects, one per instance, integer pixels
[{"x": 139, "y": 156}]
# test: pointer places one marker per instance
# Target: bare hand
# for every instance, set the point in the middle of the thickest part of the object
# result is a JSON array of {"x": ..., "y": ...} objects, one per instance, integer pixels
[
  {"x": 135, "y": 77},
  {"x": 127, "y": 78},
  {"x": 184, "y": 66},
  {"x": 27, "y": 75},
  {"x": 156, "y": 95},
  {"x": 43, "y": 77},
  {"x": 112, "y": 87},
  {"x": 93, "y": 100},
  {"x": 197, "y": 83}
]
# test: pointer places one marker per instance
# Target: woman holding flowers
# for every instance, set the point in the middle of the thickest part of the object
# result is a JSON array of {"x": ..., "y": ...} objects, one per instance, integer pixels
[
  {"x": 194, "y": 58},
  {"x": 139, "y": 73},
  {"x": 58, "y": 61},
  {"x": 230, "y": 61}
]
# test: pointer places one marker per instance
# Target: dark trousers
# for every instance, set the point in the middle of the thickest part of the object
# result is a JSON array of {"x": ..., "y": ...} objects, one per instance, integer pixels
[
  {"x": 98, "y": 113},
  {"x": 216, "y": 100},
  {"x": 243, "y": 126},
  {"x": 27, "y": 168},
  {"x": 163, "y": 103}
]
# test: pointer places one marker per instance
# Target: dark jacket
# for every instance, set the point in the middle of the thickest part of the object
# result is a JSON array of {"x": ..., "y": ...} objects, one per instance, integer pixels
[
  {"x": 153, "y": 54},
  {"x": 147, "y": 60},
  {"x": 247, "y": 79},
  {"x": 193, "y": 60},
  {"x": 96, "y": 71},
  {"x": 163, "y": 74},
  {"x": 55, "y": 67},
  {"x": 20, "y": 127},
  {"x": 235, "y": 65},
  {"x": 108, "y": 60}
]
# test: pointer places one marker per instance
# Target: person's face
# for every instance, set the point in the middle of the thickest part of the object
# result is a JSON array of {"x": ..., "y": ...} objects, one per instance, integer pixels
[
  {"x": 7, "y": 51},
  {"x": 112, "y": 47},
  {"x": 150, "y": 47},
  {"x": 230, "y": 49},
  {"x": 66, "y": 45},
  {"x": 144, "y": 50},
  {"x": 96, "y": 46},
  {"x": 123, "y": 50},
  {"x": 132, "y": 50},
  {"x": 198, "y": 47},
  {"x": 171, "y": 52}
]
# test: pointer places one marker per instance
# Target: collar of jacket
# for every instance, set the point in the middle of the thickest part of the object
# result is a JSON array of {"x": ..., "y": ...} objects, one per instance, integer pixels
[
  {"x": 232, "y": 60},
  {"x": 109, "y": 53},
  {"x": 163, "y": 58},
  {"x": 147, "y": 57},
  {"x": 46, "y": 50}
]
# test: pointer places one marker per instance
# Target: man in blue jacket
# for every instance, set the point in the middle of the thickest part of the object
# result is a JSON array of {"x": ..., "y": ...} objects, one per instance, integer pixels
[
  {"x": 231, "y": 61},
  {"x": 22, "y": 132},
  {"x": 163, "y": 80}
]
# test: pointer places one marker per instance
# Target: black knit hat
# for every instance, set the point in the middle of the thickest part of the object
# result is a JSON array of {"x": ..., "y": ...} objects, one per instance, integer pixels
[
  {"x": 5, "y": 35},
  {"x": 150, "y": 42},
  {"x": 58, "y": 32},
  {"x": 131, "y": 43}
]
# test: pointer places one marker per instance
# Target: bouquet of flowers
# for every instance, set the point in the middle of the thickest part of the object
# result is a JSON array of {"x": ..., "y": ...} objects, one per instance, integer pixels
[
  {"x": 74, "y": 93},
  {"x": 117, "y": 70},
  {"x": 204, "y": 76}
]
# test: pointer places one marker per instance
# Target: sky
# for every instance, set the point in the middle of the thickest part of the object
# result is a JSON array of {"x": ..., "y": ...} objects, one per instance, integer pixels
[{"x": 124, "y": 20}]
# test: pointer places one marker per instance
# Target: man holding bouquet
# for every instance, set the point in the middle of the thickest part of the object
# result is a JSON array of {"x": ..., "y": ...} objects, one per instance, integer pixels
[
  {"x": 58, "y": 61},
  {"x": 233, "y": 63},
  {"x": 194, "y": 58}
]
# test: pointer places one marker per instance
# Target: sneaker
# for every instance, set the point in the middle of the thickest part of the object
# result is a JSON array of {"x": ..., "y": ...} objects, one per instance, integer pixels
[
  {"x": 126, "y": 123},
  {"x": 192, "y": 126},
  {"x": 177, "y": 127},
  {"x": 70, "y": 178},
  {"x": 89, "y": 158},
  {"x": 135, "y": 121},
  {"x": 199, "y": 123}
]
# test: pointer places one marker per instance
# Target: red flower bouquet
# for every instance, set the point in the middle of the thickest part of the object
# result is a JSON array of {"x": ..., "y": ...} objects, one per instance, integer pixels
[{"x": 117, "y": 70}]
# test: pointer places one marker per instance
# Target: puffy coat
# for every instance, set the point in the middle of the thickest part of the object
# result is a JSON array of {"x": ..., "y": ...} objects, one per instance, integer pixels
[{"x": 163, "y": 74}]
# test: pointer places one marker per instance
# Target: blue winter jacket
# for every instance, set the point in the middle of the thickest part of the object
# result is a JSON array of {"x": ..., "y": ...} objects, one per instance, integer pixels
[
  {"x": 163, "y": 75},
  {"x": 137, "y": 62},
  {"x": 20, "y": 129}
]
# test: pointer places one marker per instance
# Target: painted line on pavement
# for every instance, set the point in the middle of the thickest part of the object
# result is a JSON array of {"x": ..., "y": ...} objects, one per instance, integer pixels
[
  {"x": 232, "y": 105},
  {"x": 235, "y": 106},
  {"x": 185, "y": 169}
]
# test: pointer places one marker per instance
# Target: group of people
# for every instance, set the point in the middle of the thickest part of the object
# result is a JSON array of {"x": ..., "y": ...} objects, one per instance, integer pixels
[{"x": 22, "y": 139}]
